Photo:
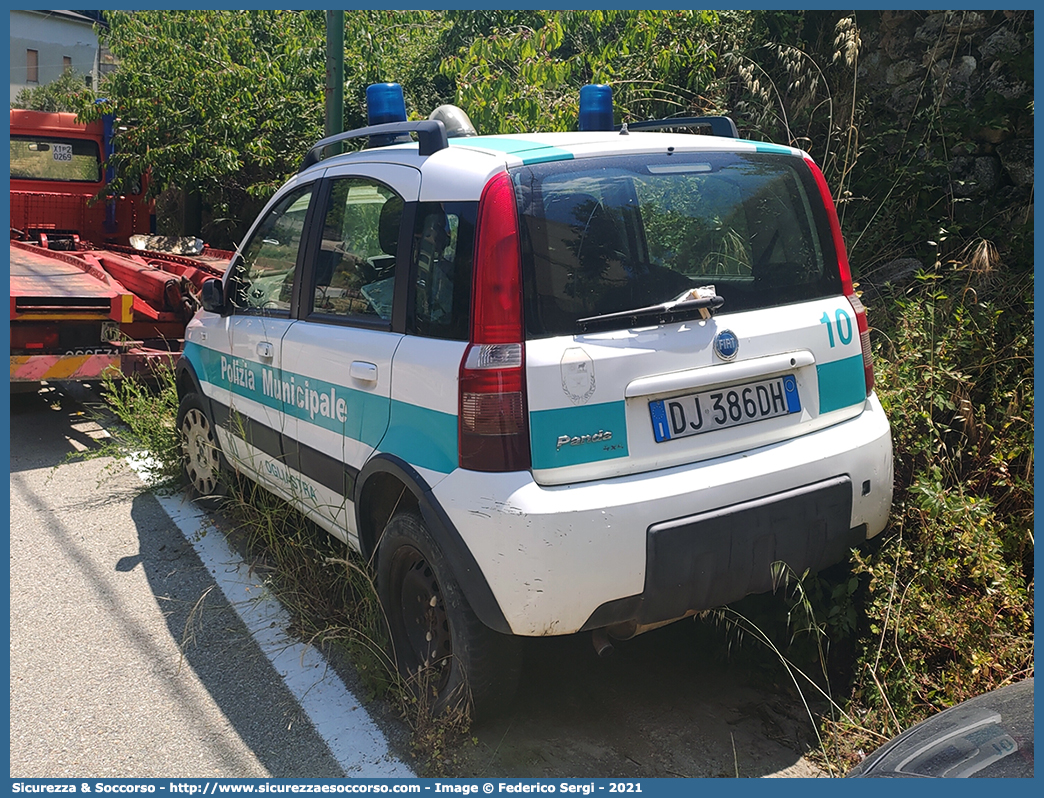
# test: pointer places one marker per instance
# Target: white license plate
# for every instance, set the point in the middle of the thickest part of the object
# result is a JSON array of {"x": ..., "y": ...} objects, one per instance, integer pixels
[{"x": 721, "y": 408}]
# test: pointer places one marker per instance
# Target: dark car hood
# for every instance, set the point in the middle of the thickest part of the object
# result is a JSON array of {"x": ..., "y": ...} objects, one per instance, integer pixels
[{"x": 990, "y": 735}]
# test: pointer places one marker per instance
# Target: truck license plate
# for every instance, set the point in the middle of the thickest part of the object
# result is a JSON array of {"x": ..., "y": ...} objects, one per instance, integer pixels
[{"x": 721, "y": 408}]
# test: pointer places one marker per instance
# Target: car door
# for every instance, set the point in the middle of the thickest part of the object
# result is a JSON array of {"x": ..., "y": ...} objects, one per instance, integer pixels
[
  {"x": 337, "y": 360},
  {"x": 261, "y": 294}
]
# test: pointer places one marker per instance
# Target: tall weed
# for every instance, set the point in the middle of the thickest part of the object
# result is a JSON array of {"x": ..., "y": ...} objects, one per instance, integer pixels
[
  {"x": 326, "y": 587},
  {"x": 139, "y": 416},
  {"x": 940, "y": 606}
]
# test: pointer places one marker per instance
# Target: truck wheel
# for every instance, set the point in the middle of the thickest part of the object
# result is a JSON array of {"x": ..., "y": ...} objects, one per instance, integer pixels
[
  {"x": 199, "y": 447},
  {"x": 439, "y": 643}
]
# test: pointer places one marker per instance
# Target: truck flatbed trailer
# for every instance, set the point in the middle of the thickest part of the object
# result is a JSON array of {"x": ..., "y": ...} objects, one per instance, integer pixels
[
  {"x": 85, "y": 313},
  {"x": 44, "y": 283}
]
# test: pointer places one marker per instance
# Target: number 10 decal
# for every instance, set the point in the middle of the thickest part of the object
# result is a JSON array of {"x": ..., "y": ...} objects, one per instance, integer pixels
[{"x": 844, "y": 327}]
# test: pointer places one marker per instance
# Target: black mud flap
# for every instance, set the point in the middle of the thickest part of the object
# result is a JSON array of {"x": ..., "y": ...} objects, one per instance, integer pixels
[{"x": 704, "y": 561}]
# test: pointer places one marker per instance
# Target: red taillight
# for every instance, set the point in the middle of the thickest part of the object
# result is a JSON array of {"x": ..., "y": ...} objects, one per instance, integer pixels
[
  {"x": 496, "y": 298},
  {"x": 34, "y": 337},
  {"x": 492, "y": 397},
  {"x": 846, "y": 272},
  {"x": 864, "y": 340},
  {"x": 493, "y": 420}
]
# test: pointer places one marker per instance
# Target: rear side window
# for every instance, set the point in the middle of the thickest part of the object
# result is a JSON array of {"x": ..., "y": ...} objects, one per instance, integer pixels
[
  {"x": 443, "y": 241},
  {"x": 613, "y": 234}
]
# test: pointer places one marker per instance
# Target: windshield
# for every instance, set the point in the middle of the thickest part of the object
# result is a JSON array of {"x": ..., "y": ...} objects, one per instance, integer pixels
[
  {"x": 605, "y": 235},
  {"x": 75, "y": 160}
]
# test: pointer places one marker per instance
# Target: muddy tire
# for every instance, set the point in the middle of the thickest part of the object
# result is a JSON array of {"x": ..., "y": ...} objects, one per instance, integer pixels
[
  {"x": 446, "y": 654},
  {"x": 201, "y": 455}
]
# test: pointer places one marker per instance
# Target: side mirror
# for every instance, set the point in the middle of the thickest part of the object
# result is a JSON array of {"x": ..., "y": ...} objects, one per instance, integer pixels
[{"x": 213, "y": 296}]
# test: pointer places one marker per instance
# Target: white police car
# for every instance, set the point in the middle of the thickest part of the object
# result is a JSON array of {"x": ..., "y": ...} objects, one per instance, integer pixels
[{"x": 547, "y": 383}]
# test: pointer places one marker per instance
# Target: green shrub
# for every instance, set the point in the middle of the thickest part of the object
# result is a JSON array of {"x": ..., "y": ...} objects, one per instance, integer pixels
[{"x": 950, "y": 607}]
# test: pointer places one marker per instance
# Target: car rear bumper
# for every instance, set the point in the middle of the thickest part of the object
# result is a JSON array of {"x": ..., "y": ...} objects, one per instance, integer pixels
[{"x": 647, "y": 548}]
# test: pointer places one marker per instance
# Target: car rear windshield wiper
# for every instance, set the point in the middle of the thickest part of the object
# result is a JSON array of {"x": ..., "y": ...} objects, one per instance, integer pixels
[{"x": 697, "y": 302}]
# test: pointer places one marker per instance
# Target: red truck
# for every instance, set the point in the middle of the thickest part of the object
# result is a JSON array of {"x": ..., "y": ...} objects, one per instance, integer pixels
[{"x": 92, "y": 292}]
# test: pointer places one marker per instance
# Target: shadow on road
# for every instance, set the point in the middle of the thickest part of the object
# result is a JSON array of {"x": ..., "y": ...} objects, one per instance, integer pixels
[
  {"x": 52, "y": 424},
  {"x": 218, "y": 648},
  {"x": 84, "y": 522}
]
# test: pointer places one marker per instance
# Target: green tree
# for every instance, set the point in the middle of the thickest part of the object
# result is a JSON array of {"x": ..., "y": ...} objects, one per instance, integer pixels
[
  {"x": 224, "y": 104},
  {"x": 68, "y": 93},
  {"x": 215, "y": 103},
  {"x": 528, "y": 75},
  {"x": 391, "y": 47}
]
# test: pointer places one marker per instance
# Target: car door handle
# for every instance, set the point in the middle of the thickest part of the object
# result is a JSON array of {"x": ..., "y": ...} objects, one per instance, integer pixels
[
  {"x": 264, "y": 349},
  {"x": 361, "y": 370}
]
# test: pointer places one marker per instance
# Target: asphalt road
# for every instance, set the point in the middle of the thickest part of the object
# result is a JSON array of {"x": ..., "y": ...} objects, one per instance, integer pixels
[{"x": 127, "y": 658}]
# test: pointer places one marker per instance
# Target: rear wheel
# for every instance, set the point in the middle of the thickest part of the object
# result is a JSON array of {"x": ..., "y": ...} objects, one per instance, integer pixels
[
  {"x": 440, "y": 645},
  {"x": 199, "y": 448}
]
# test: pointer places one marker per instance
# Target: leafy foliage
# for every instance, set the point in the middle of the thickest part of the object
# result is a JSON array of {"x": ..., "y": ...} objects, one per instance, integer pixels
[
  {"x": 224, "y": 104},
  {"x": 68, "y": 93},
  {"x": 390, "y": 46},
  {"x": 527, "y": 74},
  {"x": 950, "y": 587},
  {"x": 940, "y": 606},
  {"x": 889, "y": 138},
  {"x": 215, "y": 102}
]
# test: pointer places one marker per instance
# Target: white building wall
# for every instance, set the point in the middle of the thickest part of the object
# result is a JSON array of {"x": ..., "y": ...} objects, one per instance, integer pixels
[{"x": 53, "y": 34}]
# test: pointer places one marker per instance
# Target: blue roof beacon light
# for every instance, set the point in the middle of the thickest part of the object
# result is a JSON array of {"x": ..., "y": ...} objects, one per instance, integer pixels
[
  {"x": 596, "y": 107},
  {"x": 384, "y": 104}
]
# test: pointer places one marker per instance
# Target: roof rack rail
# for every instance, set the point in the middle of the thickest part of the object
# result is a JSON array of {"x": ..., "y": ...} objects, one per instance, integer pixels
[
  {"x": 431, "y": 137},
  {"x": 719, "y": 125}
]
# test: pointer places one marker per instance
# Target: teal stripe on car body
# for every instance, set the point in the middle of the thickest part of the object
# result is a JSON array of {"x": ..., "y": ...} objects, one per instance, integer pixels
[
  {"x": 192, "y": 352},
  {"x": 356, "y": 414},
  {"x": 584, "y": 431},
  {"x": 420, "y": 436},
  {"x": 776, "y": 149},
  {"x": 841, "y": 383},
  {"x": 529, "y": 151}
]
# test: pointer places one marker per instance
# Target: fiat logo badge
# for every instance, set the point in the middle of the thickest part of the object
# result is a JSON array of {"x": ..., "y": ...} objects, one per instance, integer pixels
[{"x": 726, "y": 345}]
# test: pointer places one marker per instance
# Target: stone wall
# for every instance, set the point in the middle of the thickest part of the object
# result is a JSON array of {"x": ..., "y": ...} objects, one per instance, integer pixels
[{"x": 973, "y": 61}]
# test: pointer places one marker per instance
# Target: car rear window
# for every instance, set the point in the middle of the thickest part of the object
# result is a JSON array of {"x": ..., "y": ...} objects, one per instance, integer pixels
[{"x": 604, "y": 235}]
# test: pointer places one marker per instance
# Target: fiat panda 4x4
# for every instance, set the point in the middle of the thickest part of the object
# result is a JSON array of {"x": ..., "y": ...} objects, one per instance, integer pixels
[{"x": 546, "y": 383}]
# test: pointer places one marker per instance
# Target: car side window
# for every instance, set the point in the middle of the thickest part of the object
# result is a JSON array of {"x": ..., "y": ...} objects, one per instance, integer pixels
[
  {"x": 443, "y": 238},
  {"x": 354, "y": 272},
  {"x": 263, "y": 278}
]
